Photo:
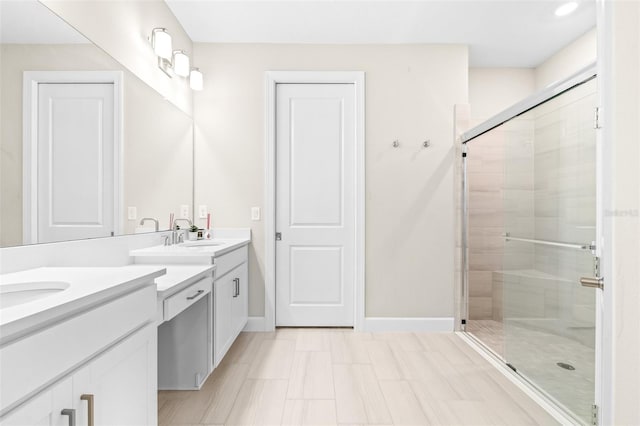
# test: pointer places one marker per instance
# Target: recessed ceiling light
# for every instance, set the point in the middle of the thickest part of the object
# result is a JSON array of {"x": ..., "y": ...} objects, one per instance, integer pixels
[{"x": 566, "y": 8}]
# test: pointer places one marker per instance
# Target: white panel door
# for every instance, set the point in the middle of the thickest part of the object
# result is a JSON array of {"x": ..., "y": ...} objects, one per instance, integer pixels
[
  {"x": 75, "y": 161},
  {"x": 315, "y": 204}
]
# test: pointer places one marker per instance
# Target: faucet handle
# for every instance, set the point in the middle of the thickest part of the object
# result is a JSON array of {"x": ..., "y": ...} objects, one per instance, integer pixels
[{"x": 166, "y": 240}]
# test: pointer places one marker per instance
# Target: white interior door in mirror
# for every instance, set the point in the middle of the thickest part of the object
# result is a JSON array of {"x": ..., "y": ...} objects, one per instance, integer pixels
[
  {"x": 315, "y": 204},
  {"x": 75, "y": 161}
]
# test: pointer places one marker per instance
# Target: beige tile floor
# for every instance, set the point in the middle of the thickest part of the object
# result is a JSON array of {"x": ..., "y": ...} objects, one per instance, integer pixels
[{"x": 336, "y": 376}]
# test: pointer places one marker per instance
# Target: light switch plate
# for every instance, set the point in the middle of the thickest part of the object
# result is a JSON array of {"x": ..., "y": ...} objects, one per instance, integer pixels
[
  {"x": 132, "y": 213},
  {"x": 202, "y": 211},
  {"x": 255, "y": 213},
  {"x": 184, "y": 211}
]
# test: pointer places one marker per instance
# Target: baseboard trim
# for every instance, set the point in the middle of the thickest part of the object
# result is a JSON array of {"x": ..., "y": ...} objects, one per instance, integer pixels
[
  {"x": 254, "y": 324},
  {"x": 443, "y": 324}
]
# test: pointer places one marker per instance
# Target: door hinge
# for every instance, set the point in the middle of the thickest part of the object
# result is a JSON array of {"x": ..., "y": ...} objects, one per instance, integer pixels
[
  {"x": 596, "y": 119},
  {"x": 594, "y": 415},
  {"x": 596, "y": 266}
]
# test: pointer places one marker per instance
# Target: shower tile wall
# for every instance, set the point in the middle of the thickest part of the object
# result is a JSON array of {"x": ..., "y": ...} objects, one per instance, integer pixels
[{"x": 490, "y": 218}]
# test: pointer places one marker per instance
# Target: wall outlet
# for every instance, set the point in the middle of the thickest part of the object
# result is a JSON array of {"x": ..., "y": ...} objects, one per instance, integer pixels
[
  {"x": 184, "y": 211},
  {"x": 132, "y": 213},
  {"x": 202, "y": 211},
  {"x": 255, "y": 213}
]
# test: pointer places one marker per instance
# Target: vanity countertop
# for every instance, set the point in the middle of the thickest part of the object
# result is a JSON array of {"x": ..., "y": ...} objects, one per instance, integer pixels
[
  {"x": 80, "y": 288},
  {"x": 200, "y": 248},
  {"x": 179, "y": 277}
]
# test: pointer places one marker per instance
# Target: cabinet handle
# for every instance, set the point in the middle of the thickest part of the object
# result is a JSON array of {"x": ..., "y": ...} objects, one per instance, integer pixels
[
  {"x": 72, "y": 415},
  {"x": 89, "y": 398},
  {"x": 238, "y": 285},
  {"x": 236, "y": 288},
  {"x": 198, "y": 293}
]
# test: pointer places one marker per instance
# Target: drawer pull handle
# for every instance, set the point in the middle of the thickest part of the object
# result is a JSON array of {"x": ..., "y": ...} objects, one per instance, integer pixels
[
  {"x": 89, "y": 398},
  {"x": 198, "y": 293},
  {"x": 72, "y": 415}
]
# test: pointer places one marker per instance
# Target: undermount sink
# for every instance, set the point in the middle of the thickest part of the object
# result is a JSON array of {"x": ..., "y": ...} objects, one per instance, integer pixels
[
  {"x": 19, "y": 293},
  {"x": 204, "y": 243}
]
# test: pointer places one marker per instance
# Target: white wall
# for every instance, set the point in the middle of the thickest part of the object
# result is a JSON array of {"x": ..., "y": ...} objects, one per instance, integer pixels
[
  {"x": 578, "y": 54},
  {"x": 121, "y": 28},
  {"x": 491, "y": 90},
  {"x": 410, "y": 94},
  {"x": 620, "y": 39}
]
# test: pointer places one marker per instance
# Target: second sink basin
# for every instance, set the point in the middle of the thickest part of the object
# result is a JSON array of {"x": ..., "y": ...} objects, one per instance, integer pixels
[
  {"x": 19, "y": 293},
  {"x": 202, "y": 243}
]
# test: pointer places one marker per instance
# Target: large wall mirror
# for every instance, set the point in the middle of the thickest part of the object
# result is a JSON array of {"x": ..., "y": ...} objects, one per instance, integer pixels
[{"x": 87, "y": 149}]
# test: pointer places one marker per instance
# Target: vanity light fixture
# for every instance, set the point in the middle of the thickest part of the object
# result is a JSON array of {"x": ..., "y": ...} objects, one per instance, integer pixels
[
  {"x": 195, "y": 79},
  {"x": 181, "y": 63},
  {"x": 566, "y": 8}
]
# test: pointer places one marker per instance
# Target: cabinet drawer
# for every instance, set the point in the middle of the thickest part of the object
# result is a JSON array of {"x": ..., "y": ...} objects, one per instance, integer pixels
[
  {"x": 37, "y": 360},
  {"x": 227, "y": 262},
  {"x": 182, "y": 300}
]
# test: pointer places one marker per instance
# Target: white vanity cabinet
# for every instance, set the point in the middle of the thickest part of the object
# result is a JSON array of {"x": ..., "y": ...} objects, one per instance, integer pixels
[
  {"x": 231, "y": 304},
  {"x": 116, "y": 388},
  {"x": 99, "y": 362}
]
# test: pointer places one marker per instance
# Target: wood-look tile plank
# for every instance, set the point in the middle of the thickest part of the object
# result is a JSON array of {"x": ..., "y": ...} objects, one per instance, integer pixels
[
  {"x": 402, "y": 402},
  {"x": 405, "y": 341},
  {"x": 273, "y": 360},
  {"x": 384, "y": 363},
  {"x": 223, "y": 393},
  {"x": 259, "y": 402},
  {"x": 318, "y": 379},
  {"x": 298, "y": 373},
  {"x": 319, "y": 412},
  {"x": 474, "y": 413},
  {"x": 293, "y": 412},
  {"x": 349, "y": 405},
  {"x": 313, "y": 340},
  {"x": 369, "y": 389}
]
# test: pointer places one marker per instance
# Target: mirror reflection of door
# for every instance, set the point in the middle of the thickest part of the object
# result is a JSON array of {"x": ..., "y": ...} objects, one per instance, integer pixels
[{"x": 76, "y": 194}]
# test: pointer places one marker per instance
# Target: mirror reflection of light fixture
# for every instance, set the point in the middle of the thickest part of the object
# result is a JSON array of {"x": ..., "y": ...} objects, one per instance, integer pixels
[
  {"x": 181, "y": 63},
  {"x": 173, "y": 61},
  {"x": 195, "y": 79},
  {"x": 161, "y": 42}
]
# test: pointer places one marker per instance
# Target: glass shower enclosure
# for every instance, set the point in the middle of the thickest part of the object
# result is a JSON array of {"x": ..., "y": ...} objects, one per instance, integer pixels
[{"x": 531, "y": 263}]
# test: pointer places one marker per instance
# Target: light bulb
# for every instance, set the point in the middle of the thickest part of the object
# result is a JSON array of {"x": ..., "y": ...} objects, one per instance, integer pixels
[
  {"x": 195, "y": 79},
  {"x": 181, "y": 63},
  {"x": 161, "y": 41}
]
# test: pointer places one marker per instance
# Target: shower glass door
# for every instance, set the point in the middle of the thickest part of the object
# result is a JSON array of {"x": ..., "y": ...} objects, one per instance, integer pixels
[{"x": 549, "y": 202}]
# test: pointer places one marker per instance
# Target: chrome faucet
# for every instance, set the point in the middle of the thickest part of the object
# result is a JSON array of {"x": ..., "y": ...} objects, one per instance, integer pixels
[
  {"x": 175, "y": 239},
  {"x": 155, "y": 221}
]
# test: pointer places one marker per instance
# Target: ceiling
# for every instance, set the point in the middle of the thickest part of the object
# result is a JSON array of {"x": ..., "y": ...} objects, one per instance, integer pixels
[{"x": 506, "y": 33}]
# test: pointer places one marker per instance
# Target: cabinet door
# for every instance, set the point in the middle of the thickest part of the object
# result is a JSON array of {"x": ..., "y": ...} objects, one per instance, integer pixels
[
  {"x": 240, "y": 303},
  {"x": 224, "y": 289},
  {"x": 45, "y": 409},
  {"x": 122, "y": 381}
]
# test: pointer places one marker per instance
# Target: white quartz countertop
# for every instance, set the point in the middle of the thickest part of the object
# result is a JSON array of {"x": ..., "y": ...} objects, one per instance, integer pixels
[
  {"x": 86, "y": 287},
  {"x": 200, "y": 248},
  {"x": 180, "y": 276}
]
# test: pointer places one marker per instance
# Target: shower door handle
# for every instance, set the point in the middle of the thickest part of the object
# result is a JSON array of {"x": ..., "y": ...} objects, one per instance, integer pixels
[{"x": 592, "y": 282}]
